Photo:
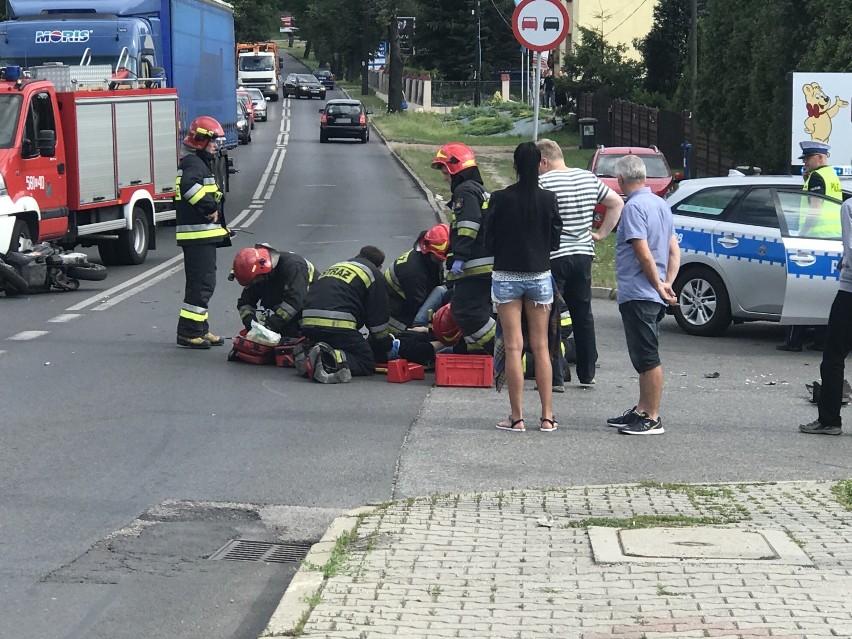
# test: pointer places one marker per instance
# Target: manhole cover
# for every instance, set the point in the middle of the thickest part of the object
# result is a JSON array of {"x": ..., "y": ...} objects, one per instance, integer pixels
[
  {"x": 265, "y": 551},
  {"x": 656, "y": 545}
]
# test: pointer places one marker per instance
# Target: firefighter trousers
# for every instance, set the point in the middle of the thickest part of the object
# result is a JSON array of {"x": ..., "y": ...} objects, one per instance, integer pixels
[
  {"x": 471, "y": 307},
  {"x": 199, "y": 265},
  {"x": 359, "y": 353}
]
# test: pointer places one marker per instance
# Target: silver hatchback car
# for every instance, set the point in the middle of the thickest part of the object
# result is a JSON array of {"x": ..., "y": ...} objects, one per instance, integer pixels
[
  {"x": 754, "y": 248},
  {"x": 259, "y": 101}
]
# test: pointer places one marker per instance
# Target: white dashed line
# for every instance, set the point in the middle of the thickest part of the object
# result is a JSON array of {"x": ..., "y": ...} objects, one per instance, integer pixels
[
  {"x": 65, "y": 317},
  {"x": 24, "y": 336}
]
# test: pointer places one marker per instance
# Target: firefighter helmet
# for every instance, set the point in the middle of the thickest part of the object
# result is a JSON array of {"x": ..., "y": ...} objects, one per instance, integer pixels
[
  {"x": 455, "y": 156},
  {"x": 444, "y": 326},
  {"x": 202, "y": 130},
  {"x": 251, "y": 262},
  {"x": 436, "y": 241}
]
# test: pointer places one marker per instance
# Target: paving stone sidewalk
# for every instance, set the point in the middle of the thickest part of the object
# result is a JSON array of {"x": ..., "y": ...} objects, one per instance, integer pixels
[{"x": 483, "y": 565}]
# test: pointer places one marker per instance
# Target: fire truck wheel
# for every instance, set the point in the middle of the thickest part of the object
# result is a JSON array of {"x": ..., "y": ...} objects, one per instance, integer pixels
[
  {"x": 21, "y": 239},
  {"x": 11, "y": 281},
  {"x": 132, "y": 245}
]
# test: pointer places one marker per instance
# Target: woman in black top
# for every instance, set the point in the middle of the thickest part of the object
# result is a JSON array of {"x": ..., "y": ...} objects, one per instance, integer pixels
[{"x": 523, "y": 226}]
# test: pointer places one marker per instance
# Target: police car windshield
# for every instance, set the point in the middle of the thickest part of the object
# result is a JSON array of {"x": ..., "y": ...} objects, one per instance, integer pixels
[{"x": 10, "y": 108}]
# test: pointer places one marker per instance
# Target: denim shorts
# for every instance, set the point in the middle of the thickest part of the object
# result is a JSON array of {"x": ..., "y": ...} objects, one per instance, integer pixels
[
  {"x": 641, "y": 321},
  {"x": 538, "y": 290}
]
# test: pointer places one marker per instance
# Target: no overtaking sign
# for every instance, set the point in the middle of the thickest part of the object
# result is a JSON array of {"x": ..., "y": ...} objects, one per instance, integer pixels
[{"x": 540, "y": 25}]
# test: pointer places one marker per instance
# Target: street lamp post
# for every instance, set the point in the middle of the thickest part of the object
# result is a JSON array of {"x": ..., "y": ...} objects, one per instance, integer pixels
[{"x": 477, "y": 96}]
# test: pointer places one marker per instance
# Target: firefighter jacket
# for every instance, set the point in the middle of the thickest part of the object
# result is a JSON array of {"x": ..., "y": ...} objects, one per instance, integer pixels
[
  {"x": 347, "y": 296},
  {"x": 197, "y": 195},
  {"x": 467, "y": 239},
  {"x": 410, "y": 280},
  {"x": 282, "y": 292}
]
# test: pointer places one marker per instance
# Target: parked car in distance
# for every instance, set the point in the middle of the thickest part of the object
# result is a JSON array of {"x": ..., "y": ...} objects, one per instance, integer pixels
[
  {"x": 301, "y": 85},
  {"x": 345, "y": 119},
  {"x": 244, "y": 97},
  {"x": 258, "y": 101},
  {"x": 326, "y": 78},
  {"x": 660, "y": 177},
  {"x": 243, "y": 124},
  {"x": 754, "y": 248}
]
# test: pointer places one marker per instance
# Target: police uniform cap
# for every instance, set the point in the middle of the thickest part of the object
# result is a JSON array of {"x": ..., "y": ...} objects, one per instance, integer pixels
[{"x": 812, "y": 147}]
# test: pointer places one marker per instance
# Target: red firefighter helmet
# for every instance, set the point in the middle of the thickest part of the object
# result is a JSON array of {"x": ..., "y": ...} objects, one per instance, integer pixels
[
  {"x": 435, "y": 241},
  {"x": 202, "y": 130},
  {"x": 251, "y": 262},
  {"x": 455, "y": 156},
  {"x": 444, "y": 326}
]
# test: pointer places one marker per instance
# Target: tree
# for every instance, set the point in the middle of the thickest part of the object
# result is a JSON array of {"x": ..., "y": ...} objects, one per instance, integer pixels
[
  {"x": 743, "y": 89},
  {"x": 255, "y": 21},
  {"x": 595, "y": 66},
  {"x": 830, "y": 37}
]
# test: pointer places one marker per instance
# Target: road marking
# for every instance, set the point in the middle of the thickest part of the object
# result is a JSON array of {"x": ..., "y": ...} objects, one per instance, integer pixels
[
  {"x": 118, "y": 287},
  {"x": 251, "y": 220},
  {"x": 65, "y": 317},
  {"x": 265, "y": 176},
  {"x": 24, "y": 336},
  {"x": 137, "y": 289},
  {"x": 328, "y": 226},
  {"x": 275, "y": 175}
]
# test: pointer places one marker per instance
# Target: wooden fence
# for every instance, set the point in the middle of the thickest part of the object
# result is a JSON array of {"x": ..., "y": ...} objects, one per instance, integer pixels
[{"x": 623, "y": 123}]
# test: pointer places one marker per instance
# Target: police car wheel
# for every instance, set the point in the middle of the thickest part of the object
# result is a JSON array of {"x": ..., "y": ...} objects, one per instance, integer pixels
[{"x": 704, "y": 308}]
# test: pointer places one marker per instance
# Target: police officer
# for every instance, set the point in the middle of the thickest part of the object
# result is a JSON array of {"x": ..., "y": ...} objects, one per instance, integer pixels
[
  {"x": 200, "y": 229},
  {"x": 470, "y": 261},
  {"x": 347, "y": 296},
  {"x": 278, "y": 281},
  {"x": 822, "y": 179}
]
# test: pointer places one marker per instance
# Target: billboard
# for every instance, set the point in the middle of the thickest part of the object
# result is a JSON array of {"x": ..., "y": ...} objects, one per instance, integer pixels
[
  {"x": 405, "y": 27},
  {"x": 821, "y": 113}
]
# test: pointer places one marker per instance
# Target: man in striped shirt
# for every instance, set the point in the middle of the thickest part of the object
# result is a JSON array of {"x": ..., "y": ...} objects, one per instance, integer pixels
[{"x": 577, "y": 193}]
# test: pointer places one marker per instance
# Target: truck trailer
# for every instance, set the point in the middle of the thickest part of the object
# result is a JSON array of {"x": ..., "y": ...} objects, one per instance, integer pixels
[{"x": 190, "y": 42}]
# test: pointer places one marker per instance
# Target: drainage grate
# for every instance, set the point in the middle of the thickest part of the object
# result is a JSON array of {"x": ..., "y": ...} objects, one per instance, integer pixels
[{"x": 244, "y": 550}]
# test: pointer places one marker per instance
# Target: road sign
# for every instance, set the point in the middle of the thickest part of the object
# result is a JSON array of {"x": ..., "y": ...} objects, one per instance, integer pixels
[{"x": 540, "y": 25}]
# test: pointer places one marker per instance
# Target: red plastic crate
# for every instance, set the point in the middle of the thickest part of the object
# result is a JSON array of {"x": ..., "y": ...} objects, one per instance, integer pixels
[
  {"x": 415, "y": 371},
  {"x": 464, "y": 370},
  {"x": 398, "y": 371}
]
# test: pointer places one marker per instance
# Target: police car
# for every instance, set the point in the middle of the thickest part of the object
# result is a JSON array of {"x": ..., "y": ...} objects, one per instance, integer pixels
[{"x": 754, "y": 248}]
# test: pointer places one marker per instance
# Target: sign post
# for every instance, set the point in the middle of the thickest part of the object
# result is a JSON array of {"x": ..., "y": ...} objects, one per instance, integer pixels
[{"x": 539, "y": 25}]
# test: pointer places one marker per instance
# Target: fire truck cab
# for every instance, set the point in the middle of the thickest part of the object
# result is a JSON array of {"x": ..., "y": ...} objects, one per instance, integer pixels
[{"x": 85, "y": 158}]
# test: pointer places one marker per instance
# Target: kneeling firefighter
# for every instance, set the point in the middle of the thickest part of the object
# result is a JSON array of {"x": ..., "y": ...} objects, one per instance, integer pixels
[
  {"x": 347, "y": 296},
  {"x": 278, "y": 281},
  {"x": 200, "y": 229},
  {"x": 470, "y": 261}
]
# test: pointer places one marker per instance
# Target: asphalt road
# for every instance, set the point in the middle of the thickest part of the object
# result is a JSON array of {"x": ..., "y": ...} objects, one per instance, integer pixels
[{"x": 126, "y": 462}]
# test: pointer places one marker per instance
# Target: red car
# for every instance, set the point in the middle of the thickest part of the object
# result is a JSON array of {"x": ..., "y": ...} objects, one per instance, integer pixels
[
  {"x": 660, "y": 177},
  {"x": 245, "y": 97}
]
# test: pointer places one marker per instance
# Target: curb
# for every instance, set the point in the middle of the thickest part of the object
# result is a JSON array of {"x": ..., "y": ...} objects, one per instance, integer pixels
[
  {"x": 604, "y": 293},
  {"x": 294, "y": 607}
]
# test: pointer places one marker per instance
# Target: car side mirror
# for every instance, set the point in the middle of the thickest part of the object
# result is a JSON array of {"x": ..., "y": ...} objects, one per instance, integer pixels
[
  {"x": 47, "y": 143},
  {"x": 369, "y": 112},
  {"x": 321, "y": 110},
  {"x": 678, "y": 176}
]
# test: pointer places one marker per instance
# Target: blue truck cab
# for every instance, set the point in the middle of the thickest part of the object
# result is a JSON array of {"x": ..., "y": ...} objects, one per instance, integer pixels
[{"x": 189, "y": 42}]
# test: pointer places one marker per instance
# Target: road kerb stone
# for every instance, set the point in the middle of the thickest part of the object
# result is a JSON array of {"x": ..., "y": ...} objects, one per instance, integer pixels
[{"x": 309, "y": 579}]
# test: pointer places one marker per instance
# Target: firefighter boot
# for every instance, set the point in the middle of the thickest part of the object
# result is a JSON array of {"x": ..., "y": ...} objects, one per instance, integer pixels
[
  {"x": 215, "y": 340},
  {"x": 193, "y": 342},
  {"x": 327, "y": 365}
]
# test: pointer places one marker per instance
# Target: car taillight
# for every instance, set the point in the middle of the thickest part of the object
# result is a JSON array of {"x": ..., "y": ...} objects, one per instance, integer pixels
[
  {"x": 362, "y": 119},
  {"x": 324, "y": 119}
]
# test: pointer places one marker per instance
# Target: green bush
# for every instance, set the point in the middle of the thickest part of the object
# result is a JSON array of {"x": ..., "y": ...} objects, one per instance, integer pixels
[{"x": 487, "y": 125}]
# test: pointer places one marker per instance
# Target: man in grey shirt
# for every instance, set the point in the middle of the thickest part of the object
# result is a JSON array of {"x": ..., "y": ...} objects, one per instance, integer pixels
[
  {"x": 838, "y": 341},
  {"x": 647, "y": 258}
]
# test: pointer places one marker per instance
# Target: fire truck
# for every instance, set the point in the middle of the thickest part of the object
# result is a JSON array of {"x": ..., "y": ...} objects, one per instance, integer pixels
[{"x": 85, "y": 159}]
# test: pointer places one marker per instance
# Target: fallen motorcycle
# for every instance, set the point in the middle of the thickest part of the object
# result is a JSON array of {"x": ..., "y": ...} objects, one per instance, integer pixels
[{"x": 46, "y": 267}]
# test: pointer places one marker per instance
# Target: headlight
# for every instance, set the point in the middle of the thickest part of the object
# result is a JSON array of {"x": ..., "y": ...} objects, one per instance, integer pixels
[{"x": 272, "y": 87}]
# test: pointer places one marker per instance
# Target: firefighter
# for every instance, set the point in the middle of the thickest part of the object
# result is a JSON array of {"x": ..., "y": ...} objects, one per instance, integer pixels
[
  {"x": 278, "y": 281},
  {"x": 415, "y": 277},
  {"x": 347, "y": 296},
  {"x": 201, "y": 229},
  {"x": 469, "y": 273}
]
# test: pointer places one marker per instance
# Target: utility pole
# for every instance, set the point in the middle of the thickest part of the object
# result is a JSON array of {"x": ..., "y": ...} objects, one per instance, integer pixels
[
  {"x": 477, "y": 97},
  {"x": 693, "y": 54}
]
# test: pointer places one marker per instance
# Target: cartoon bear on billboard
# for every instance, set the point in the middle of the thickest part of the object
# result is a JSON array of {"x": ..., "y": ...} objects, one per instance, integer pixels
[{"x": 818, "y": 122}]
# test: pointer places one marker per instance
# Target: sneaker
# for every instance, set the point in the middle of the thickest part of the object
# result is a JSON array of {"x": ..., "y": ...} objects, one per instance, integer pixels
[
  {"x": 643, "y": 425},
  {"x": 627, "y": 417},
  {"x": 192, "y": 342},
  {"x": 215, "y": 340},
  {"x": 587, "y": 384},
  {"x": 559, "y": 388},
  {"x": 815, "y": 428}
]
